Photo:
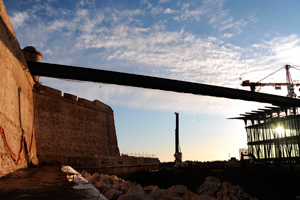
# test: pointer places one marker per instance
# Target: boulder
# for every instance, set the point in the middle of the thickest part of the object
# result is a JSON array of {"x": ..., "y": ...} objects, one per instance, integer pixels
[
  {"x": 116, "y": 185},
  {"x": 169, "y": 195},
  {"x": 126, "y": 186},
  {"x": 114, "y": 177},
  {"x": 148, "y": 189},
  {"x": 94, "y": 178},
  {"x": 128, "y": 197},
  {"x": 85, "y": 174},
  {"x": 111, "y": 180},
  {"x": 103, "y": 185},
  {"x": 209, "y": 184},
  {"x": 226, "y": 198},
  {"x": 189, "y": 195},
  {"x": 212, "y": 193},
  {"x": 212, "y": 179},
  {"x": 120, "y": 180},
  {"x": 113, "y": 194},
  {"x": 180, "y": 190},
  {"x": 203, "y": 197},
  {"x": 155, "y": 193},
  {"x": 136, "y": 191}
]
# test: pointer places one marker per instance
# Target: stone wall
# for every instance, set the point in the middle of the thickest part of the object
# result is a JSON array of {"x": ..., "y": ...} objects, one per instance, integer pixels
[
  {"x": 16, "y": 98},
  {"x": 67, "y": 127},
  {"x": 113, "y": 165}
]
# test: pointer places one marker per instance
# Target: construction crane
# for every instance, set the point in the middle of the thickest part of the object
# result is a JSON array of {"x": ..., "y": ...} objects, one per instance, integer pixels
[{"x": 289, "y": 82}]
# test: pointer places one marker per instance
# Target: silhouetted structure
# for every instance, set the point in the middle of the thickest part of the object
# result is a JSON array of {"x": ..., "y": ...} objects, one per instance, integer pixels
[{"x": 273, "y": 134}]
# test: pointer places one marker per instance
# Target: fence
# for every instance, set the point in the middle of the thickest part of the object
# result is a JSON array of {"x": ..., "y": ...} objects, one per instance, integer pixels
[{"x": 138, "y": 154}]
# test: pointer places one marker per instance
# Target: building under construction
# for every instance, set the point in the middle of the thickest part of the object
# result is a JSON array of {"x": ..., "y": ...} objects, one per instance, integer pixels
[{"x": 273, "y": 134}]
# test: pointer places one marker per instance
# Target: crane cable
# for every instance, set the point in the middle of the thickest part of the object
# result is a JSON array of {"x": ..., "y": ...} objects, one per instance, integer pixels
[{"x": 270, "y": 75}]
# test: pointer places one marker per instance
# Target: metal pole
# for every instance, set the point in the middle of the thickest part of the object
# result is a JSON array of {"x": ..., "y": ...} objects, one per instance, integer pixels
[{"x": 177, "y": 133}]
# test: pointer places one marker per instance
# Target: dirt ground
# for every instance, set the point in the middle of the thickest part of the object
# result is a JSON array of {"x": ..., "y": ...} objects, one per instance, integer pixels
[
  {"x": 261, "y": 183},
  {"x": 43, "y": 182}
]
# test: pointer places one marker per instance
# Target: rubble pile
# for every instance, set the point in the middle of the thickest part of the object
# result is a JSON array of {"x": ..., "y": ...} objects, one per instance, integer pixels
[{"x": 115, "y": 188}]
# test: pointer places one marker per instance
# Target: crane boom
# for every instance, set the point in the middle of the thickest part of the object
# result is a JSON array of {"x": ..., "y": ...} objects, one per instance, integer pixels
[
  {"x": 289, "y": 83},
  {"x": 247, "y": 83}
]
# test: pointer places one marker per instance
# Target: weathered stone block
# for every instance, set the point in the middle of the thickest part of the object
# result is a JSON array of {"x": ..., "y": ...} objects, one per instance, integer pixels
[
  {"x": 50, "y": 90},
  {"x": 102, "y": 107},
  {"x": 85, "y": 102},
  {"x": 70, "y": 97}
]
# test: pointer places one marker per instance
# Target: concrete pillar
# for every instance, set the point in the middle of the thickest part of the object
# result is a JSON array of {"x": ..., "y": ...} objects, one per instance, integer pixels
[{"x": 31, "y": 54}]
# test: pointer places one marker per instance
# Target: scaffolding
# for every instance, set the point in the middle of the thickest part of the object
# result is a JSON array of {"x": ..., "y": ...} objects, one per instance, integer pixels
[{"x": 273, "y": 134}]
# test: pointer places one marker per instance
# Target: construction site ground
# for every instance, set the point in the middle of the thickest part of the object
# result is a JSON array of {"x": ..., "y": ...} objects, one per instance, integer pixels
[
  {"x": 261, "y": 182},
  {"x": 42, "y": 182},
  {"x": 49, "y": 182}
]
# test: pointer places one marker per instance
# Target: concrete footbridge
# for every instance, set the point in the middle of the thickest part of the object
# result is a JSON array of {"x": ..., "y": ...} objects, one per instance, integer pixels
[{"x": 126, "y": 79}]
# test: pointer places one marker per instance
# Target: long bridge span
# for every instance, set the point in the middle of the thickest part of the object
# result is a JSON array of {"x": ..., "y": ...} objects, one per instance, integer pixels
[{"x": 119, "y": 78}]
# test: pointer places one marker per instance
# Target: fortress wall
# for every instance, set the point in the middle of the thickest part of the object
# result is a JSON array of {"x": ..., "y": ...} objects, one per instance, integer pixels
[
  {"x": 69, "y": 127},
  {"x": 16, "y": 97}
]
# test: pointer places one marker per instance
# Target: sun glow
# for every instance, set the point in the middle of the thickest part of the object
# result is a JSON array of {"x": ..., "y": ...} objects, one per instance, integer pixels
[{"x": 279, "y": 130}]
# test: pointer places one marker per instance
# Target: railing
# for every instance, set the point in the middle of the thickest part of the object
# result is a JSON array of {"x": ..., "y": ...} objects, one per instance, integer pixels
[{"x": 138, "y": 154}]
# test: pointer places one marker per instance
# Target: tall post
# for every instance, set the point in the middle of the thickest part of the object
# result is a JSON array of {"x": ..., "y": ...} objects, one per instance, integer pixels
[
  {"x": 178, "y": 154},
  {"x": 177, "y": 134}
]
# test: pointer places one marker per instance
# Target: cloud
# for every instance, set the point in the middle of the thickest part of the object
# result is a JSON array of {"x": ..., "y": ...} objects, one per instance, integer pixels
[
  {"x": 169, "y": 11},
  {"x": 164, "y": 1},
  {"x": 156, "y": 10},
  {"x": 113, "y": 39},
  {"x": 18, "y": 19},
  {"x": 227, "y": 35},
  {"x": 153, "y": 99},
  {"x": 187, "y": 14},
  {"x": 222, "y": 21}
]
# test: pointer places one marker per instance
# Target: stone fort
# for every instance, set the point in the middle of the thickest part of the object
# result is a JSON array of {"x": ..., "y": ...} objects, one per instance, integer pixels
[{"x": 40, "y": 124}]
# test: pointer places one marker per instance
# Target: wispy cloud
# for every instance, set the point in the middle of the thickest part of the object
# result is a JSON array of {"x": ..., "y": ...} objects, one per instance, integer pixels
[
  {"x": 227, "y": 35},
  {"x": 164, "y": 1},
  {"x": 119, "y": 40},
  {"x": 18, "y": 19}
]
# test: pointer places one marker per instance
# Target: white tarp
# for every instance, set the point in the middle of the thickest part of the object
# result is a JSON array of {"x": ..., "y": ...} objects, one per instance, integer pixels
[{"x": 82, "y": 184}]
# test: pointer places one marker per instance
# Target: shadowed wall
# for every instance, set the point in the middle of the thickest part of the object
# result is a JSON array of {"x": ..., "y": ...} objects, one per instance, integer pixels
[
  {"x": 67, "y": 127},
  {"x": 16, "y": 99}
]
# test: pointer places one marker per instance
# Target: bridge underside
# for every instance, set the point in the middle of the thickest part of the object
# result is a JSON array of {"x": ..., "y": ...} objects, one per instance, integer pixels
[{"x": 103, "y": 76}]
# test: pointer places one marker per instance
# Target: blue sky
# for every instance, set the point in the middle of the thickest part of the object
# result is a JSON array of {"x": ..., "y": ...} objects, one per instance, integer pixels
[{"x": 212, "y": 42}]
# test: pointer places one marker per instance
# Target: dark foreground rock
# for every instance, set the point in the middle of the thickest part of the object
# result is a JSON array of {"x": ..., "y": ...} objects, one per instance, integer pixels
[{"x": 211, "y": 189}]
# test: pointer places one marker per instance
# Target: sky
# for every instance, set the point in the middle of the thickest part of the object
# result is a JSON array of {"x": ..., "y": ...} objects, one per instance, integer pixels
[{"x": 212, "y": 42}]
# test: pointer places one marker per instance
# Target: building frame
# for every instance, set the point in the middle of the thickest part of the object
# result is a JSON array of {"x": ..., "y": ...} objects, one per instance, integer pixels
[{"x": 273, "y": 134}]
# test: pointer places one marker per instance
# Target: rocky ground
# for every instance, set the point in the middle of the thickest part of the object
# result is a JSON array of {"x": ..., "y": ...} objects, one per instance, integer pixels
[
  {"x": 276, "y": 183},
  {"x": 196, "y": 182}
]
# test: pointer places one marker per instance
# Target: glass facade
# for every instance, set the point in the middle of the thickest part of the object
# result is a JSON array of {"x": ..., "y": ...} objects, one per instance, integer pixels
[{"x": 273, "y": 134}]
